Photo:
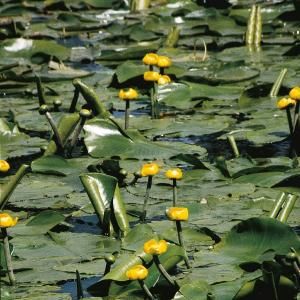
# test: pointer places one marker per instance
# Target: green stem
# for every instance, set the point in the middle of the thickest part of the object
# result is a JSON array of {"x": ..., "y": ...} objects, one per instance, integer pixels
[
  {"x": 174, "y": 192},
  {"x": 74, "y": 100},
  {"x": 127, "y": 114},
  {"x": 296, "y": 115},
  {"x": 76, "y": 134},
  {"x": 268, "y": 277},
  {"x": 57, "y": 137},
  {"x": 9, "y": 187},
  {"x": 233, "y": 145},
  {"x": 152, "y": 101},
  {"x": 163, "y": 271},
  {"x": 79, "y": 286},
  {"x": 287, "y": 209},
  {"x": 144, "y": 212},
  {"x": 107, "y": 268},
  {"x": 251, "y": 26},
  {"x": 278, "y": 205},
  {"x": 258, "y": 27},
  {"x": 156, "y": 108},
  {"x": 162, "y": 71},
  {"x": 289, "y": 117},
  {"x": 146, "y": 290},
  {"x": 7, "y": 255},
  {"x": 40, "y": 90},
  {"x": 181, "y": 243},
  {"x": 277, "y": 84}
]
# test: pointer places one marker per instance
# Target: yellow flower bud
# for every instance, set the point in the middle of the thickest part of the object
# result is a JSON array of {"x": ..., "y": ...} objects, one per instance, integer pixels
[
  {"x": 163, "y": 62},
  {"x": 138, "y": 272},
  {"x": 7, "y": 220},
  {"x": 295, "y": 93},
  {"x": 285, "y": 102},
  {"x": 154, "y": 247},
  {"x": 151, "y": 76},
  {"x": 4, "y": 166},
  {"x": 177, "y": 213},
  {"x": 130, "y": 94},
  {"x": 150, "y": 169},
  {"x": 163, "y": 79},
  {"x": 150, "y": 59},
  {"x": 175, "y": 173}
]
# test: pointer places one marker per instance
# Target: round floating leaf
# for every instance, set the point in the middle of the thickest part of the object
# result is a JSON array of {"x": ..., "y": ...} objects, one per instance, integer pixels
[
  {"x": 251, "y": 239},
  {"x": 52, "y": 164}
]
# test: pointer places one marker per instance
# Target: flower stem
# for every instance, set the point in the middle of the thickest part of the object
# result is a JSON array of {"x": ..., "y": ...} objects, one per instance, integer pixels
[
  {"x": 156, "y": 108},
  {"x": 76, "y": 134},
  {"x": 144, "y": 212},
  {"x": 278, "y": 205},
  {"x": 163, "y": 271},
  {"x": 79, "y": 286},
  {"x": 146, "y": 290},
  {"x": 174, "y": 193},
  {"x": 181, "y": 242},
  {"x": 296, "y": 115},
  {"x": 7, "y": 255},
  {"x": 233, "y": 145},
  {"x": 9, "y": 187},
  {"x": 127, "y": 114},
  {"x": 152, "y": 101},
  {"x": 57, "y": 137},
  {"x": 287, "y": 208},
  {"x": 289, "y": 117},
  {"x": 74, "y": 100},
  {"x": 277, "y": 84}
]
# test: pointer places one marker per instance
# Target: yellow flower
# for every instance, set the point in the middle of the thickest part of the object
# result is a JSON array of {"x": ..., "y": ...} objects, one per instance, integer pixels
[
  {"x": 295, "y": 93},
  {"x": 177, "y": 213},
  {"x": 163, "y": 79},
  {"x": 138, "y": 272},
  {"x": 175, "y": 173},
  {"x": 4, "y": 166},
  {"x": 163, "y": 62},
  {"x": 151, "y": 76},
  {"x": 154, "y": 247},
  {"x": 150, "y": 59},
  {"x": 150, "y": 169},
  {"x": 285, "y": 102},
  {"x": 7, "y": 220},
  {"x": 130, "y": 94}
]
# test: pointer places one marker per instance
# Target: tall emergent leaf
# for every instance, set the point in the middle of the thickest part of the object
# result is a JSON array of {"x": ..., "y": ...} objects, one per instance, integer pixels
[{"x": 104, "y": 193}]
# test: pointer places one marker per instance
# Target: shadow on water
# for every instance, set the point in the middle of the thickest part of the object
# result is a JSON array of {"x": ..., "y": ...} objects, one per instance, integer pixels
[
  {"x": 217, "y": 147},
  {"x": 71, "y": 286}
]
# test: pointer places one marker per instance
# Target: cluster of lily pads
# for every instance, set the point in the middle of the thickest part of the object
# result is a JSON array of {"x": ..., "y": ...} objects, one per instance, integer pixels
[{"x": 75, "y": 217}]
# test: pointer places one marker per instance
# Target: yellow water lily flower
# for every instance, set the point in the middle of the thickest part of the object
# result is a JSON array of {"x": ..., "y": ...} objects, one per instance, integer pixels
[
  {"x": 164, "y": 62},
  {"x": 150, "y": 169},
  {"x": 138, "y": 272},
  {"x": 130, "y": 94},
  {"x": 151, "y": 76},
  {"x": 6, "y": 220},
  {"x": 163, "y": 79},
  {"x": 175, "y": 173},
  {"x": 285, "y": 102},
  {"x": 177, "y": 213},
  {"x": 154, "y": 247},
  {"x": 295, "y": 93},
  {"x": 4, "y": 166},
  {"x": 150, "y": 59}
]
